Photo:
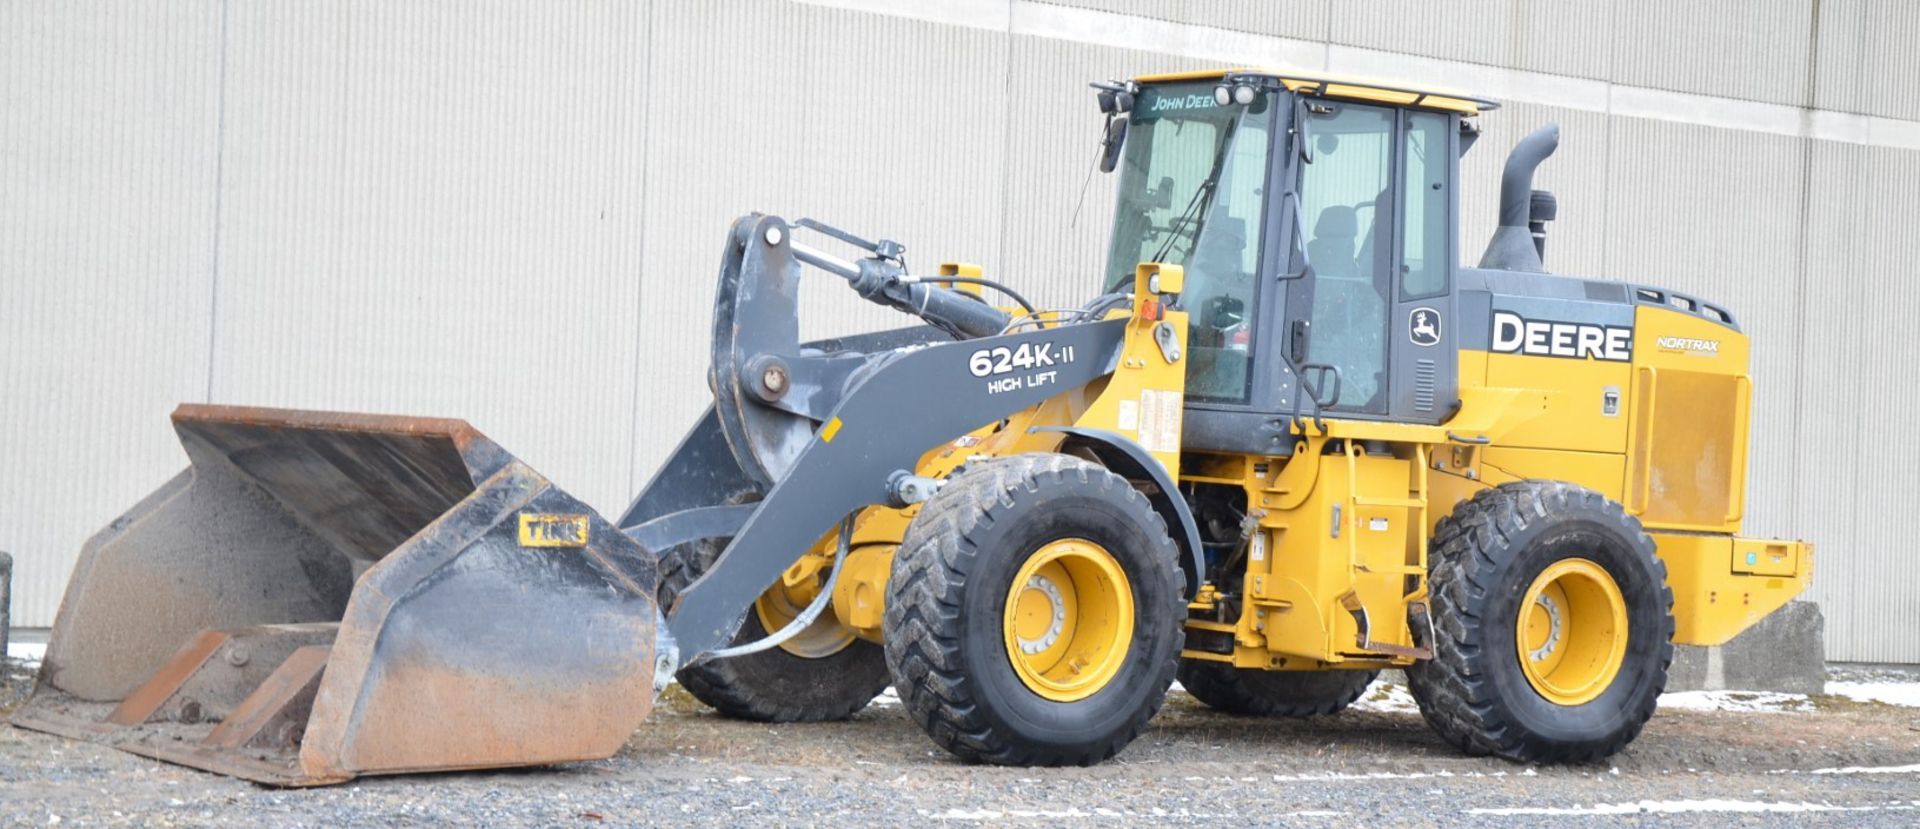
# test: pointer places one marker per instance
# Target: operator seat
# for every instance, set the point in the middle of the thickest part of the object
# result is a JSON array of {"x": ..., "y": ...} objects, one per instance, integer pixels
[
  {"x": 1372, "y": 262},
  {"x": 1331, "y": 250},
  {"x": 1364, "y": 360},
  {"x": 1347, "y": 307}
]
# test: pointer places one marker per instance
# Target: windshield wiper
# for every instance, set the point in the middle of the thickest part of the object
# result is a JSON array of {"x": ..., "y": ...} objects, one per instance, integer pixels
[{"x": 1196, "y": 211}]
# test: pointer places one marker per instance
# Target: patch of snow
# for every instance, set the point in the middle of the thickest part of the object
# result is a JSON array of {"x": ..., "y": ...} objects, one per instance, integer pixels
[
  {"x": 32, "y": 652},
  {"x": 887, "y": 699},
  {"x": 1386, "y": 696},
  {"x": 1715, "y": 806},
  {"x": 996, "y": 814},
  {"x": 1097, "y": 812},
  {"x": 1913, "y": 769},
  {"x": 1760, "y": 701},
  {"x": 1891, "y": 693},
  {"x": 1335, "y": 776}
]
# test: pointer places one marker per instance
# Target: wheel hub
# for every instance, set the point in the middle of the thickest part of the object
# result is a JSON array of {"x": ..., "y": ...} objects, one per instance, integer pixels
[
  {"x": 1571, "y": 634},
  {"x": 1055, "y": 614},
  {"x": 1069, "y": 620},
  {"x": 1546, "y": 603}
]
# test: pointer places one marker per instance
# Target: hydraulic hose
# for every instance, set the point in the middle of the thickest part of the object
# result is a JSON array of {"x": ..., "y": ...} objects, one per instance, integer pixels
[
  {"x": 884, "y": 282},
  {"x": 807, "y": 616},
  {"x": 974, "y": 280}
]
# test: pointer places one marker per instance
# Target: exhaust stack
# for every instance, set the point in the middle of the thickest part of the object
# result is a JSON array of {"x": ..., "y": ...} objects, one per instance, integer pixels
[{"x": 1520, "y": 242}]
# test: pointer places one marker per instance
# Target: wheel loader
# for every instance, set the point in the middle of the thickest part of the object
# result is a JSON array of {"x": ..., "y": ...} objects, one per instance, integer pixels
[{"x": 1288, "y": 443}]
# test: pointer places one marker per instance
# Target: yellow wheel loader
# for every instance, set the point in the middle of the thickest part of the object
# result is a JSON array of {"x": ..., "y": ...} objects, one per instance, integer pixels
[{"x": 1289, "y": 442}]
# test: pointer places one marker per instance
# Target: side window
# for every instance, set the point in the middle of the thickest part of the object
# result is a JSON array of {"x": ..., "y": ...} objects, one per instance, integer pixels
[
  {"x": 1220, "y": 297},
  {"x": 1166, "y": 159},
  {"x": 1193, "y": 193},
  {"x": 1423, "y": 266},
  {"x": 1349, "y": 243}
]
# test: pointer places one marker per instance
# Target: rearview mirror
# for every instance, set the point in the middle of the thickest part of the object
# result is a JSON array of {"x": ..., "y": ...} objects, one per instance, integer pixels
[
  {"x": 1301, "y": 138},
  {"x": 1110, "y": 145}
]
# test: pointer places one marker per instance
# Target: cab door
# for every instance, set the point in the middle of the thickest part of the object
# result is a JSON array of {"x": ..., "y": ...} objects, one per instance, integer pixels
[
  {"x": 1426, "y": 366},
  {"x": 1371, "y": 329},
  {"x": 1338, "y": 319}
]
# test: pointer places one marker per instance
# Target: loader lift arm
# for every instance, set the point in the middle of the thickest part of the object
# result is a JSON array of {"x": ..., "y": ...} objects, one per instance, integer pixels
[
  {"x": 899, "y": 409},
  {"x": 783, "y": 411}
]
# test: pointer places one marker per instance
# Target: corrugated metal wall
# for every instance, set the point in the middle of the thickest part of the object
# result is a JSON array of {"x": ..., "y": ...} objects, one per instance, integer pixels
[
  {"x": 511, "y": 211},
  {"x": 109, "y": 170}
]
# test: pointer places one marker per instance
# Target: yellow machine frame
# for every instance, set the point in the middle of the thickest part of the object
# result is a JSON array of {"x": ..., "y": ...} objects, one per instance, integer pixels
[{"x": 1338, "y": 560}]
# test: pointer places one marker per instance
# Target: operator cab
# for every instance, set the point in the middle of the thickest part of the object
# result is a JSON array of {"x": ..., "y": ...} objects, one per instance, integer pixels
[{"x": 1315, "y": 220}]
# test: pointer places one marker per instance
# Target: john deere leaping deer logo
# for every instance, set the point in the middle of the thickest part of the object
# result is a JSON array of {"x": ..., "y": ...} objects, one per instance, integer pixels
[{"x": 1423, "y": 326}]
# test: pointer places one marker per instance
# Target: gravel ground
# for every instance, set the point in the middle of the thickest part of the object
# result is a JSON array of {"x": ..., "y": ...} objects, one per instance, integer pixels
[{"x": 1834, "y": 762}]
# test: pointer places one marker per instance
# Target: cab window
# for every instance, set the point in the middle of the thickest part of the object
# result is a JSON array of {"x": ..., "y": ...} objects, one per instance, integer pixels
[
  {"x": 1344, "y": 197},
  {"x": 1425, "y": 196},
  {"x": 1193, "y": 193}
]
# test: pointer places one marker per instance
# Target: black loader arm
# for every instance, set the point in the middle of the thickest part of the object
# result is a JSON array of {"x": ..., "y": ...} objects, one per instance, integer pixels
[
  {"x": 770, "y": 391},
  {"x": 905, "y": 404},
  {"x": 816, "y": 431}
]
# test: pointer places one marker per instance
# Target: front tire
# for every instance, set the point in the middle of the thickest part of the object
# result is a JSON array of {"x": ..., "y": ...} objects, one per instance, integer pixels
[
  {"x": 1552, "y": 626},
  {"x": 1254, "y": 692},
  {"x": 829, "y": 682},
  {"x": 1034, "y": 613}
]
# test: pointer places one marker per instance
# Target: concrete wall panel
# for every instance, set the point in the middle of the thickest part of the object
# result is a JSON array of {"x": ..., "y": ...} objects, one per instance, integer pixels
[
  {"x": 1561, "y": 38},
  {"x": 783, "y": 109},
  {"x": 1305, "y": 19},
  {"x": 1866, "y": 61},
  {"x": 1830, "y": 391},
  {"x": 1753, "y": 49},
  {"x": 109, "y": 136},
  {"x": 435, "y": 211},
  {"x": 1879, "y": 593}
]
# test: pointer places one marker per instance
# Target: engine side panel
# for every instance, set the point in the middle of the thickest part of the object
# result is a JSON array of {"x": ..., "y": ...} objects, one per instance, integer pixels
[{"x": 1691, "y": 396}]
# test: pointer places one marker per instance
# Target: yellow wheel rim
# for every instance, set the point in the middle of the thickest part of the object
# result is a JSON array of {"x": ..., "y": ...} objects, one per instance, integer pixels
[
  {"x": 1572, "y": 632},
  {"x": 780, "y": 605},
  {"x": 1069, "y": 620}
]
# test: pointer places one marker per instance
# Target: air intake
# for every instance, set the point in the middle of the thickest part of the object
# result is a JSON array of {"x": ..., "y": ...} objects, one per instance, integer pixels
[{"x": 1519, "y": 243}]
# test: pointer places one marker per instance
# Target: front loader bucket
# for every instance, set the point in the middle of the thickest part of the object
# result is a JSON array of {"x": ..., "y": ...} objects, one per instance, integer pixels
[{"x": 321, "y": 596}]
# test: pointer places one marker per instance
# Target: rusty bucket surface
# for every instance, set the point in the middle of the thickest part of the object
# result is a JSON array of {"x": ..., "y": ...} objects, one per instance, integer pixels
[{"x": 322, "y": 595}]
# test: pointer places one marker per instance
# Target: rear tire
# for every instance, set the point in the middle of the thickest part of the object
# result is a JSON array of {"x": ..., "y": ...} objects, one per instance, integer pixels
[
  {"x": 1491, "y": 559},
  {"x": 975, "y": 675},
  {"x": 1257, "y": 693},
  {"x": 774, "y": 685}
]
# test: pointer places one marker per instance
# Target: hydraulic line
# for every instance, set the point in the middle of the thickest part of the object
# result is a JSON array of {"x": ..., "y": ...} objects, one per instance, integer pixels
[{"x": 806, "y": 617}]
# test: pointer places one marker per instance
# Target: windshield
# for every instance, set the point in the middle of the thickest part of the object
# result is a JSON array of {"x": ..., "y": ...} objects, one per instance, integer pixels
[{"x": 1192, "y": 193}]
